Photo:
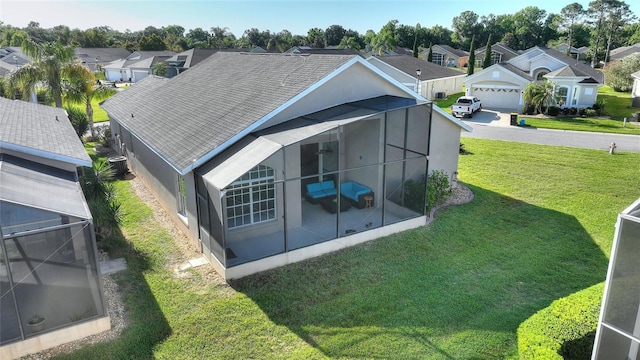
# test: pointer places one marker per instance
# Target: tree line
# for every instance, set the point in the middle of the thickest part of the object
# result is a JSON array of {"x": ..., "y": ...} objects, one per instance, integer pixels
[{"x": 602, "y": 26}]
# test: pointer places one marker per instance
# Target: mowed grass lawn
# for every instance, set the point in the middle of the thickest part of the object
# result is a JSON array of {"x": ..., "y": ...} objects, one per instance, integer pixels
[
  {"x": 540, "y": 228},
  {"x": 99, "y": 115},
  {"x": 617, "y": 107}
]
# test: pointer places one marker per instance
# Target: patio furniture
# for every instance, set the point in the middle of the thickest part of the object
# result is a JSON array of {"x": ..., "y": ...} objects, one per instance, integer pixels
[
  {"x": 355, "y": 192},
  {"x": 320, "y": 190},
  {"x": 331, "y": 204}
]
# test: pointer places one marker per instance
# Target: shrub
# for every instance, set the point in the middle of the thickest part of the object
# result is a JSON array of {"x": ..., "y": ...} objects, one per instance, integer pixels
[
  {"x": 553, "y": 111},
  {"x": 438, "y": 188},
  {"x": 563, "y": 330},
  {"x": 528, "y": 109},
  {"x": 44, "y": 96},
  {"x": 591, "y": 113},
  {"x": 600, "y": 105},
  {"x": 97, "y": 188},
  {"x": 582, "y": 112},
  {"x": 414, "y": 193},
  {"x": 573, "y": 110},
  {"x": 79, "y": 120}
]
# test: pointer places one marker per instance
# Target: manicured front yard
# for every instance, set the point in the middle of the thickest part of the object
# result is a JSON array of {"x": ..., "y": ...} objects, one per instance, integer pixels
[
  {"x": 540, "y": 228},
  {"x": 584, "y": 124}
]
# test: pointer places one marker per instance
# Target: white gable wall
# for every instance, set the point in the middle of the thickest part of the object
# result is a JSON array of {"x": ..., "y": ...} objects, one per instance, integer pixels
[
  {"x": 400, "y": 76},
  {"x": 444, "y": 145},
  {"x": 354, "y": 83}
]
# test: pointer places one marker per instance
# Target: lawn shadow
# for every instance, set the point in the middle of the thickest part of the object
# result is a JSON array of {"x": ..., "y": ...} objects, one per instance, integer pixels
[{"x": 458, "y": 288}]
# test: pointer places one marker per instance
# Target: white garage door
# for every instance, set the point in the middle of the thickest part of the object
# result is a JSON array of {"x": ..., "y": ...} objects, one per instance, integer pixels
[
  {"x": 497, "y": 98},
  {"x": 139, "y": 75}
]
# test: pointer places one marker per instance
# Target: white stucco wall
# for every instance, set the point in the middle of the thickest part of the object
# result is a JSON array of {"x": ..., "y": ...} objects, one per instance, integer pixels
[
  {"x": 449, "y": 85},
  {"x": 444, "y": 146}
]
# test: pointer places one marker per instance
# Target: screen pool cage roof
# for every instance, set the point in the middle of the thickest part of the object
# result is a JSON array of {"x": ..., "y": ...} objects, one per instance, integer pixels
[{"x": 42, "y": 187}]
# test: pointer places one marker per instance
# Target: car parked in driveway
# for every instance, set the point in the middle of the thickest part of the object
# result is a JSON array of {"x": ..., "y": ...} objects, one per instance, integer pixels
[{"x": 466, "y": 105}]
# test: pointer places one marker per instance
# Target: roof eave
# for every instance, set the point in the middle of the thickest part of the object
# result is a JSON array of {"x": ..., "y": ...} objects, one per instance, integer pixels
[{"x": 46, "y": 154}]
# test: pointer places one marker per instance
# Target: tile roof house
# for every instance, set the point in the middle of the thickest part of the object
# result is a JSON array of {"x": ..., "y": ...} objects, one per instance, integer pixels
[
  {"x": 268, "y": 159},
  {"x": 576, "y": 82},
  {"x": 136, "y": 66},
  {"x": 48, "y": 255},
  {"x": 446, "y": 55},
  {"x": 433, "y": 82}
]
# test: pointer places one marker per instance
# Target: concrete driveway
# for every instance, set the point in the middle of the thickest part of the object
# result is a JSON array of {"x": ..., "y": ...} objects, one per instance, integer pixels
[
  {"x": 495, "y": 124},
  {"x": 490, "y": 117}
]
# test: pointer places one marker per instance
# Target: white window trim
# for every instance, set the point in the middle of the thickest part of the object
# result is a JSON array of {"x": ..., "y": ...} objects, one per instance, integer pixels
[
  {"x": 182, "y": 198},
  {"x": 250, "y": 184}
]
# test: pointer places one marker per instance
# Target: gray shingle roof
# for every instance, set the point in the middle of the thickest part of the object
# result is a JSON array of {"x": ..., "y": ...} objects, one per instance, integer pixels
[
  {"x": 104, "y": 55},
  {"x": 516, "y": 70},
  {"x": 587, "y": 70},
  {"x": 40, "y": 130},
  {"x": 188, "y": 116},
  {"x": 409, "y": 65},
  {"x": 453, "y": 51}
]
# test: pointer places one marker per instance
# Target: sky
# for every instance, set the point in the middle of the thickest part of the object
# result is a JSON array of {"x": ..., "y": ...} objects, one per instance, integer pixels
[{"x": 296, "y": 16}]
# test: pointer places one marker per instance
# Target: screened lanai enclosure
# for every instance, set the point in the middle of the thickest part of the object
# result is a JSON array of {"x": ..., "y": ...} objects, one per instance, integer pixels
[
  {"x": 48, "y": 267},
  {"x": 618, "y": 334},
  {"x": 326, "y": 175}
]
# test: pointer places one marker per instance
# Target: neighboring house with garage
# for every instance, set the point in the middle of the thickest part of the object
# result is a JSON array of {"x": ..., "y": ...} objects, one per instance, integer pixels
[
  {"x": 432, "y": 82},
  {"x": 268, "y": 159},
  {"x": 136, "y": 66},
  {"x": 500, "y": 86},
  {"x": 48, "y": 255}
]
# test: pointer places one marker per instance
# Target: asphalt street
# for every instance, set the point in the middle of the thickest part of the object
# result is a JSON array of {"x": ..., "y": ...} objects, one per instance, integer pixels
[{"x": 489, "y": 124}]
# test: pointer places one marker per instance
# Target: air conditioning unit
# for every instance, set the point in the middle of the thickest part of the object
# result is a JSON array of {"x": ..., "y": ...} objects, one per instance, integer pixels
[{"x": 440, "y": 95}]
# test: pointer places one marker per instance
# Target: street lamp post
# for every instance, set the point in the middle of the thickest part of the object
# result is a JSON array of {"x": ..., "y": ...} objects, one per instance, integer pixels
[{"x": 418, "y": 72}]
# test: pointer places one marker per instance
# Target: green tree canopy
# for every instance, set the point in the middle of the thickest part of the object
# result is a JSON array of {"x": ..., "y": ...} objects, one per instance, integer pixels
[
  {"x": 472, "y": 56},
  {"x": 486, "y": 62},
  {"x": 618, "y": 74}
]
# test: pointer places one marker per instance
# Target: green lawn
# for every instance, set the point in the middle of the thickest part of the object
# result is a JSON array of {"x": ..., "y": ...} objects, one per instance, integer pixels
[
  {"x": 617, "y": 107},
  {"x": 99, "y": 115},
  {"x": 450, "y": 100},
  {"x": 584, "y": 124},
  {"x": 539, "y": 228}
]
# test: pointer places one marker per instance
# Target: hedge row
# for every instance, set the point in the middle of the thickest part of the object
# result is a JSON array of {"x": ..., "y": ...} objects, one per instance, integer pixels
[{"x": 563, "y": 330}]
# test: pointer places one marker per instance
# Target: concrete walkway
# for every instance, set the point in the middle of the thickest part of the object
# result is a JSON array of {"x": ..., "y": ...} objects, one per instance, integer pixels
[{"x": 489, "y": 124}]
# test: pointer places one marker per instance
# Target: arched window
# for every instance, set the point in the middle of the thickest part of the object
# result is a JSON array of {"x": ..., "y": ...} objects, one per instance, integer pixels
[
  {"x": 540, "y": 76},
  {"x": 252, "y": 198}
]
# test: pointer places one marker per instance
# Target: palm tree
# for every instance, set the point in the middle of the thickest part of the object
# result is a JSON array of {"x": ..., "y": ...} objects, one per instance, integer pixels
[
  {"x": 46, "y": 68},
  {"x": 540, "y": 95},
  {"x": 160, "y": 68},
  {"x": 81, "y": 88}
]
